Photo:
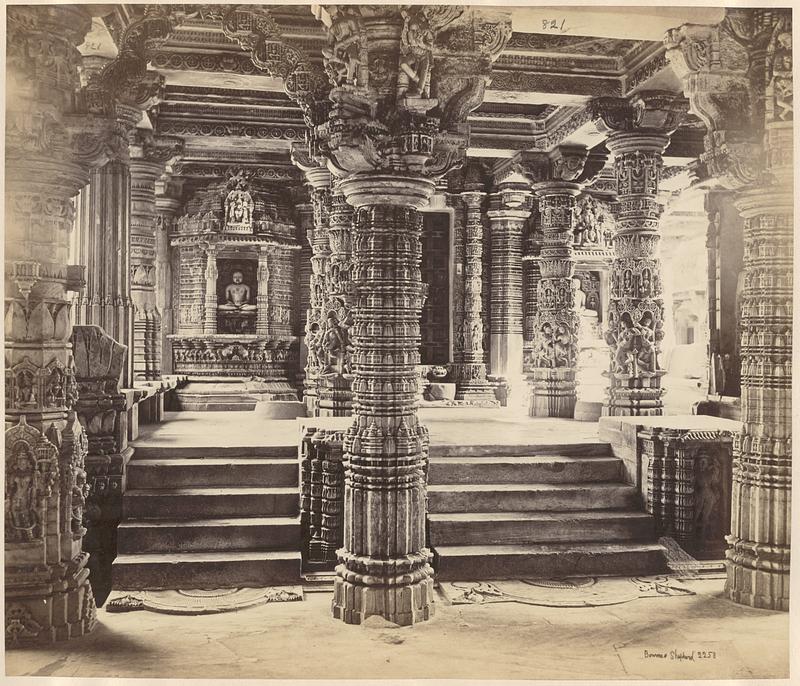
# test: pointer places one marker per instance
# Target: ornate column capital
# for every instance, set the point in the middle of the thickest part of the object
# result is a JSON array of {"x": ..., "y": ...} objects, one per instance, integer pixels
[
  {"x": 642, "y": 122},
  {"x": 406, "y": 116}
]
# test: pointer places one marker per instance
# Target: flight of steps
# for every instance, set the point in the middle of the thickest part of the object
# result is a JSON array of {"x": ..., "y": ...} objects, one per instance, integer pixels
[
  {"x": 517, "y": 512},
  {"x": 209, "y": 518}
]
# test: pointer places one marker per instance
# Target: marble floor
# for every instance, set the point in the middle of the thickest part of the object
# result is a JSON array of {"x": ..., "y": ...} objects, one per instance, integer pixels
[
  {"x": 702, "y": 636},
  {"x": 447, "y": 425}
]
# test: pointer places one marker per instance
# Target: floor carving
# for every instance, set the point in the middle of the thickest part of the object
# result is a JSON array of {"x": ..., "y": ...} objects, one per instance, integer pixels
[{"x": 202, "y": 601}]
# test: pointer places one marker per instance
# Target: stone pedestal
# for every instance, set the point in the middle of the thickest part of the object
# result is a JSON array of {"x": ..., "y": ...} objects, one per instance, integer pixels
[
  {"x": 102, "y": 411},
  {"x": 688, "y": 477}
]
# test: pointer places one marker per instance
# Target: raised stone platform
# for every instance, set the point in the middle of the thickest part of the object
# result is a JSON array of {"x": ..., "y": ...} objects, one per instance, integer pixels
[{"x": 237, "y": 394}]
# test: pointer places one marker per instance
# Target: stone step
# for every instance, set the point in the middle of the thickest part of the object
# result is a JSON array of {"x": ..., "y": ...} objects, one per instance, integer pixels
[
  {"x": 474, "y": 562},
  {"x": 151, "y": 451},
  {"x": 216, "y": 406},
  {"x": 522, "y": 469},
  {"x": 519, "y": 528},
  {"x": 195, "y": 535},
  {"x": 522, "y": 497},
  {"x": 521, "y": 450},
  {"x": 197, "y": 503},
  {"x": 229, "y": 569},
  {"x": 212, "y": 471}
]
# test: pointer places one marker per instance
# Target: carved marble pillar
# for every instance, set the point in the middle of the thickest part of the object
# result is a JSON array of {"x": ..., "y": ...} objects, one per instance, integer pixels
[
  {"x": 210, "y": 300},
  {"x": 509, "y": 209},
  {"x": 471, "y": 380},
  {"x": 555, "y": 347},
  {"x": 319, "y": 180},
  {"x": 415, "y": 106},
  {"x": 305, "y": 215},
  {"x": 335, "y": 394},
  {"x": 262, "y": 299},
  {"x": 639, "y": 133},
  {"x": 738, "y": 77},
  {"x": 167, "y": 207},
  {"x": 102, "y": 225},
  {"x": 386, "y": 571},
  {"x": 50, "y": 150},
  {"x": 149, "y": 156}
]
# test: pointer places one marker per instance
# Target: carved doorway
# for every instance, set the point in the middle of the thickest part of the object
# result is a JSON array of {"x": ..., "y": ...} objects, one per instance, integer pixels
[{"x": 435, "y": 323}]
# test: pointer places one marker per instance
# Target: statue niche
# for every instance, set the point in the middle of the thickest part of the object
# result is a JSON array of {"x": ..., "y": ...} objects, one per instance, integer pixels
[{"x": 236, "y": 294}]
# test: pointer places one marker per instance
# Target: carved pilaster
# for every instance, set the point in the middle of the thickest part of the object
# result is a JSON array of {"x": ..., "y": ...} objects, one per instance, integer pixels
[
  {"x": 149, "y": 157},
  {"x": 262, "y": 299},
  {"x": 639, "y": 132},
  {"x": 319, "y": 182},
  {"x": 101, "y": 409}
]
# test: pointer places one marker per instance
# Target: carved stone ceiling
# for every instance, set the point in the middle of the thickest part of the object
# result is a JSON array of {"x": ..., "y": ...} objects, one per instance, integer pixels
[{"x": 230, "y": 113}]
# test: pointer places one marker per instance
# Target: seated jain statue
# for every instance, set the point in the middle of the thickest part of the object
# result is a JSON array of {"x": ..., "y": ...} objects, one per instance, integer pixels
[{"x": 237, "y": 295}]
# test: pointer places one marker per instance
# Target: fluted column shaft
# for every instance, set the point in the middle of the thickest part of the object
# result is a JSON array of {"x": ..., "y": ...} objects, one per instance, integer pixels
[
  {"x": 555, "y": 346},
  {"x": 472, "y": 384},
  {"x": 384, "y": 563},
  {"x": 509, "y": 210}
]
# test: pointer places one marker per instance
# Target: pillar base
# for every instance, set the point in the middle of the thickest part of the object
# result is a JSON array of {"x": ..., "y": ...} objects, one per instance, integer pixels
[
  {"x": 553, "y": 392},
  {"x": 403, "y": 597},
  {"x": 635, "y": 396},
  {"x": 40, "y": 614},
  {"x": 758, "y": 575}
]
